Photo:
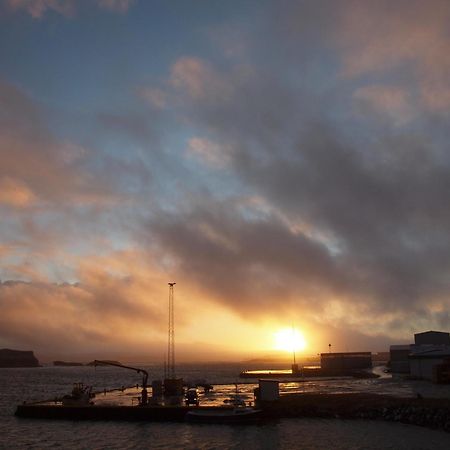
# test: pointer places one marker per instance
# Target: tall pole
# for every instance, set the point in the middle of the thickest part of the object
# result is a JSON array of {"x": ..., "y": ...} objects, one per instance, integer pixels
[
  {"x": 293, "y": 342},
  {"x": 171, "y": 340}
]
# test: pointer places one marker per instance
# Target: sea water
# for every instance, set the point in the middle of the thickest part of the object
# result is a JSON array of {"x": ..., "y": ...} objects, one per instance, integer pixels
[{"x": 17, "y": 385}]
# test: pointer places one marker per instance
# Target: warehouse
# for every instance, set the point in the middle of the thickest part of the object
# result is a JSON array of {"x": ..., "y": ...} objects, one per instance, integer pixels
[
  {"x": 345, "y": 362},
  {"x": 425, "y": 364}
]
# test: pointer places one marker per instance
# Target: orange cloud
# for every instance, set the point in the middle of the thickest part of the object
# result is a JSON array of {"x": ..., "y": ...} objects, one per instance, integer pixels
[
  {"x": 14, "y": 192},
  {"x": 119, "y": 304}
]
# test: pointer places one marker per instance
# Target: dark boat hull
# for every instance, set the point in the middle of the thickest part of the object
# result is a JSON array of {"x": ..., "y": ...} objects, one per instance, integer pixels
[
  {"x": 132, "y": 413},
  {"x": 223, "y": 416}
]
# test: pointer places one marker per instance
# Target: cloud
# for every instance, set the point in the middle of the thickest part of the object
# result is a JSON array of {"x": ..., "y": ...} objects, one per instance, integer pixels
[
  {"x": 332, "y": 210},
  {"x": 68, "y": 8},
  {"x": 208, "y": 152},
  {"x": 199, "y": 80},
  {"x": 245, "y": 263},
  {"x": 118, "y": 307},
  {"x": 120, "y": 6},
  {"x": 38, "y": 8},
  {"x": 36, "y": 166},
  {"x": 392, "y": 102},
  {"x": 407, "y": 39},
  {"x": 58, "y": 199},
  {"x": 154, "y": 96},
  {"x": 15, "y": 193},
  {"x": 356, "y": 211},
  {"x": 62, "y": 317}
]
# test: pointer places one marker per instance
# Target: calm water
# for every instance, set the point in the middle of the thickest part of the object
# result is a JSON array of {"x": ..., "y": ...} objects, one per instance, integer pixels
[{"x": 17, "y": 385}]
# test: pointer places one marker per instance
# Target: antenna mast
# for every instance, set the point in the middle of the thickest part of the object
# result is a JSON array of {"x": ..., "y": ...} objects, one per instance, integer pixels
[{"x": 171, "y": 341}]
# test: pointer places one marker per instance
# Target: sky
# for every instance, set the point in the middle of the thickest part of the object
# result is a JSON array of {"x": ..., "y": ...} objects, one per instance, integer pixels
[{"x": 286, "y": 163}]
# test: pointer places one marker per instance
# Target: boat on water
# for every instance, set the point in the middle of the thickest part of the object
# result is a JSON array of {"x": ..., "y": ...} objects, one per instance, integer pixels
[
  {"x": 224, "y": 415},
  {"x": 237, "y": 412},
  {"x": 81, "y": 395}
]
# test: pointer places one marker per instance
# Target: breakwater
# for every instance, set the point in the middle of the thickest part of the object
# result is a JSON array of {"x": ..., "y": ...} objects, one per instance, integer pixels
[{"x": 428, "y": 412}]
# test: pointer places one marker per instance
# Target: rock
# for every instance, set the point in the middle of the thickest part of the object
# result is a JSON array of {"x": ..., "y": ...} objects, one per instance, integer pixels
[{"x": 17, "y": 358}]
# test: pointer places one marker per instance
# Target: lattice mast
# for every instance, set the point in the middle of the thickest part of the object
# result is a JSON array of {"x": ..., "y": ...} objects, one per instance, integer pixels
[{"x": 171, "y": 340}]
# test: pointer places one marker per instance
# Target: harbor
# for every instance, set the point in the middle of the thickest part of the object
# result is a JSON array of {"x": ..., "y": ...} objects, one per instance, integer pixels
[
  {"x": 386, "y": 397},
  {"x": 297, "y": 400},
  {"x": 345, "y": 385}
]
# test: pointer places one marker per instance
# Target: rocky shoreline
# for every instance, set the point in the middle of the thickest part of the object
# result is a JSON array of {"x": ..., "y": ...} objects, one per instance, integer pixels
[{"x": 426, "y": 412}]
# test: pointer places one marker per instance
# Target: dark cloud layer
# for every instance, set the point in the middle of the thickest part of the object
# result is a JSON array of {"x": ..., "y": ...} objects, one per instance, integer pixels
[
  {"x": 374, "y": 192},
  {"x": 301, "y": 174}
]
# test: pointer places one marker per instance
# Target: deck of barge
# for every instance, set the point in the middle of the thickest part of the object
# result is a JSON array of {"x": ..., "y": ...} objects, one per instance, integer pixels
[{"x": 123, "y": 404}]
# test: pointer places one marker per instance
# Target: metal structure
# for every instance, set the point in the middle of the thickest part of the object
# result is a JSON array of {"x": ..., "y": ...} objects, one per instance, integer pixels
[
  {"x": 144, "y": 373},
  {"x": 171, "y": 340},
  {"x": 293, "y": 343}
]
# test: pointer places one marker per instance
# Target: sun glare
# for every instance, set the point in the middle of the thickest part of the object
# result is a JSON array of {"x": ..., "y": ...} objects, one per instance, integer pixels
[{"x": 289, "y": 340}]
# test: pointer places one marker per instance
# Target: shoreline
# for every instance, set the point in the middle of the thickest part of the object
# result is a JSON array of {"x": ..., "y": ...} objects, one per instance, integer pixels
[{"x": 427, "y": 412}]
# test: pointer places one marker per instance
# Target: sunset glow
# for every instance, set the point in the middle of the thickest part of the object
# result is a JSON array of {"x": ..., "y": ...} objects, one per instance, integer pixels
[
  {"x": 285, "y": 163},
  {"x": 289, "y": 340}
]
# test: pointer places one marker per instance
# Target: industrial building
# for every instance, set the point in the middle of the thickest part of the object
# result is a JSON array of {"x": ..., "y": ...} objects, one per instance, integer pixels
[
  {"x": 425, "y": 364},
  {"x": 432, "y": 338},
  {"x": 399, "y": 358},
  {"x": 338, "y": 363},
  {"x": 428, "y": 358}
]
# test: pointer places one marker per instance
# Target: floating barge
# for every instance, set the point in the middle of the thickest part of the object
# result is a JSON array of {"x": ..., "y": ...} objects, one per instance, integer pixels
[
  {"x": 92, "y": 412},
  {"x": 112, "y": 412},
  {"x": 124, "y": 404}
]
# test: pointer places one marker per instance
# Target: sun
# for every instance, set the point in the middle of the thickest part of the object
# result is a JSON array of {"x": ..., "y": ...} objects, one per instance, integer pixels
[{"x": 289, "y": 340}]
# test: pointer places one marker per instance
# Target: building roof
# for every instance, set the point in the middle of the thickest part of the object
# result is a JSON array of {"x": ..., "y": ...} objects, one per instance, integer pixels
[
  {"x": 431, "y": 331},
  {"x": 433, "y": 352},
  {"x": 400, "y": 347},
  {"x": 349, "y": 354}
]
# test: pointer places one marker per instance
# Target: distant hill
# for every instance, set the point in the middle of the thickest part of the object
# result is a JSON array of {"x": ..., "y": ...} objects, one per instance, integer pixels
[
  {"x": 106, "y": 361},
  {"x": 17, "y": 358},
  {"x": 66, "y": 363}
]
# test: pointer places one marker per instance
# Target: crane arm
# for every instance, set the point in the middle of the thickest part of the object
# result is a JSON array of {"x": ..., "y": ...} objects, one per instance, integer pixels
[{"x": 136, "y": 369}]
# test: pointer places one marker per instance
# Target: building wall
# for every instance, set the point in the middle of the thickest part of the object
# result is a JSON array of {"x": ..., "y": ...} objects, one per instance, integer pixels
[
  {"x": 423, "y": 367},
  {"x": 399, "y": 358},
  {"x": 345, "y": 361},
  {"x": 432, "y": 337},
  {"x": 269, "y": 390}
]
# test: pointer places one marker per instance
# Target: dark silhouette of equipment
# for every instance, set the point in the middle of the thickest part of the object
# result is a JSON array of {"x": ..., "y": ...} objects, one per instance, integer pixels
[
  {"x": 171, "y": 340},
  {"x": 144, "y": 392}
]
